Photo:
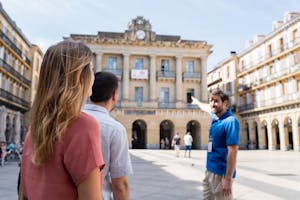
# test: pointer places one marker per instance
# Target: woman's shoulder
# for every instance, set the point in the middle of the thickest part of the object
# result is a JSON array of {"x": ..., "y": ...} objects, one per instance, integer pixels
[{"x": 86, "y": 119}]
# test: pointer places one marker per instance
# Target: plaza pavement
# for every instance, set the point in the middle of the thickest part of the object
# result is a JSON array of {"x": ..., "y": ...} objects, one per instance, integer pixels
[
  {"x": 159, "y": 175},
  {"x": 261, "y": 175}
]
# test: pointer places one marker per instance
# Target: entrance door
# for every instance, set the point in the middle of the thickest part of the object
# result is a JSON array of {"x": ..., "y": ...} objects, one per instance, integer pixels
[{"x": 139, "y": 129}]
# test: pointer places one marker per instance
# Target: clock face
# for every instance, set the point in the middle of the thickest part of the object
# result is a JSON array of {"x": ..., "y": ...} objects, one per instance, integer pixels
[
  {"x": 139, "y": 21},
  {"x": 140, "y": 34}
]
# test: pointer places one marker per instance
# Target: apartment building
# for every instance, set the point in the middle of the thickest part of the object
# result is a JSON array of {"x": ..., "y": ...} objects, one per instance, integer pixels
[
  {"x": 157, "y": 74},
  {"x": 268, "y": 91},
  {"x": 19, "y": 61}
]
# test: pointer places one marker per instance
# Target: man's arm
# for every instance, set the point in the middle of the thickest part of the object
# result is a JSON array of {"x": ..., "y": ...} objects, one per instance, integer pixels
[
  {"x": 203, "y": 106},
  {"x": 230, "y": 167},
  {"x": 120, "y": 188}
]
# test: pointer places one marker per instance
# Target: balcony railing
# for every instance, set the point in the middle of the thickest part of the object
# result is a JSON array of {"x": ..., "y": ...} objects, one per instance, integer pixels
[
  {"x": 246, "y": 107},
  {"x": 166, "y": 105},
  {"x": 191, "y": 76},
  {"x": 11, "y": 98},
  {"x": 287, "y": 98},
  {"x": 117, "y": 72},
  {"x": 11, "y": 70},
  {"x": 275, "y": 75},
  {"x": 191, "y": 106},
  {"x": 4, "y": 37},
  {"x": 166, "y": 74}
]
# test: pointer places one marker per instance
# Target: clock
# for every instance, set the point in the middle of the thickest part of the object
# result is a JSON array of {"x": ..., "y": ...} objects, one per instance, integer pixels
[
  {"x": 140, "y": 34},
  {"x": 139, "y": 21}
]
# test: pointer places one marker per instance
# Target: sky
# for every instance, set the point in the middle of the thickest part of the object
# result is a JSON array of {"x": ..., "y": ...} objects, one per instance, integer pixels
[{"x": 226, "y": 24}]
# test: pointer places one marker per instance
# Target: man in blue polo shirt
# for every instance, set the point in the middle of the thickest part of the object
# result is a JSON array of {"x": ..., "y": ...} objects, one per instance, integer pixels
[{"x": 222, "y": 147}]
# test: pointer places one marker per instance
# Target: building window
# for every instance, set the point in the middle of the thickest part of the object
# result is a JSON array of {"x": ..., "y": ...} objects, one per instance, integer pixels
[
  {"x": 2, "y": 52},
  {"x": 190, "y": 66},
  {"x": 164, "y": 95},
  {"x": 112, "y": 62},
  {"x": 138, "y": 94},
  {"x": 190, "y": 92},
  {"x": 164, "y": 65},
  {"x": 281, "y": 45},
  {"x": 139, "y": 63},
  {"x": 270, "y": 50}
]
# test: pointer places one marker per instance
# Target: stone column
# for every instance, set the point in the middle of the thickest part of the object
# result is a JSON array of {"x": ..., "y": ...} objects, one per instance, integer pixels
[
  {"x": 152, "y": 91},
  {"x": 125, "y": 80},
  {"x": 251, "y": 134},
  {"x": 272, "y": 145},
  {"x": 295, "y": 129},
  {"x": 203, "y": 82},
  {"x": 17, "y": 122},
  {"x": 2, "y": 123},
  {"x": 99, "y": 62},
  {"x": 283, "y": 145},
  {"x": 178, "y": 87},
  {"x": 261, "y": 136}
]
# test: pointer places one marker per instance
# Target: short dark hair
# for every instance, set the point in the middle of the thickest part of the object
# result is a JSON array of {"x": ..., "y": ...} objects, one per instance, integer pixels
[
  {"x": 218, "y": 92},
  {"x": 104, "y": 86}
]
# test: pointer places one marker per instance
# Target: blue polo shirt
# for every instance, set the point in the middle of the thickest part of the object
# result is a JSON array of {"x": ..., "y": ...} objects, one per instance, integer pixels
[{"x": 224, "y": 131}]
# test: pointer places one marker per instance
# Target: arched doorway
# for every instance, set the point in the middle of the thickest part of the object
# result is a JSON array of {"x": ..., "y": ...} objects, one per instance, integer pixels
[
  {"x": 248, "y": 135},
  {"x": 166, "y": 132},
  {"x": 8, "y": 130},
  {"x": 275, "y": 134},
  {"x": 288, "y": 133},
  {"x": 265, "y": 134},
  {"x": 194, "y": 128},
  {"x": 256, "y": 135},
  {"x": 139, "y": 130}
]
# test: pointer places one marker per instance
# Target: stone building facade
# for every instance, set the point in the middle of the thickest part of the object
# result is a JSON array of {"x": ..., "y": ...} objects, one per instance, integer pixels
[
  {"x": 157, "y": 74},
  {"x": 267, "y": 92},
  {"x": 19, "y": 61}
]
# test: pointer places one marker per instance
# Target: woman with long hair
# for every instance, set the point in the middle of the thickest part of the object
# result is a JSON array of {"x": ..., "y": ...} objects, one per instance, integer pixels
[{"x": 62, "y": 156}]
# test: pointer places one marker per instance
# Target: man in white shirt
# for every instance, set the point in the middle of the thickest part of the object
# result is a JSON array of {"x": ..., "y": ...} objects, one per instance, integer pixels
[
  {"x": 188, "y": 143},
  {"x": 114, "y": 140}
]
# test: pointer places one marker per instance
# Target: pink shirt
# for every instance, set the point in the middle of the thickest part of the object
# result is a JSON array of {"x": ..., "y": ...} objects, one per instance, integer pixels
[{"x": 75, "y": 156}]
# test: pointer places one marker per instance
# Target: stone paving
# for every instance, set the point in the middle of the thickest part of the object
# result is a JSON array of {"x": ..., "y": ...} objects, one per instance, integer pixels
[
  {"x": 158, "y": 174},
  {"x": 265, "y": 175}
]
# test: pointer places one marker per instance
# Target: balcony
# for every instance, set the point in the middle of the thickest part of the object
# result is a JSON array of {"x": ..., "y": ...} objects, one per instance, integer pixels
[
  {"x": 13, "y": 72},
  {"x": 166, "y": 105},
  {"x": 13, "y": 100},
  {"x": 165, "y": 75},
  {"x": 117, "y": 72},
  {"x": 191, "y": 106},
  {"x": 277, "y": 75},
  {"x": 4, "y": 37},
  {"x": 191, "y": 76},
  {"x": 244, "y": 87},
  {"x": 270, "y": 57},
  {"x": 246, "y": 107}
]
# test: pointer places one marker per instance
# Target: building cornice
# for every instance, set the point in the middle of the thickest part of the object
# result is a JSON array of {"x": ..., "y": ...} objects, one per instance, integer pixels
[
  {"x": 270, "y": 36},
  {"x": 94, "y": 39},
  {"x": 14, "y": 25}
]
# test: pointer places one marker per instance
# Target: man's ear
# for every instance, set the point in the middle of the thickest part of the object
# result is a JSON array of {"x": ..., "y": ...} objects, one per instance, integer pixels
[
  {"x": 114, "y": 95},
  {"x": 226, "y": 103}
]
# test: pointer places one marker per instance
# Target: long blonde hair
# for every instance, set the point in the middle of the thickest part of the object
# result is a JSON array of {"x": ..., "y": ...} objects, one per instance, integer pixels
[{"x": 64, "y": 84}]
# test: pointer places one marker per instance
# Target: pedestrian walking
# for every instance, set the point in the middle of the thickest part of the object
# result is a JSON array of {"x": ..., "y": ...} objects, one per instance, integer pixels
[
  {"x": 222, "y": 147},
  {"x": 162, "y": 143},
  {"x": 62, "y": 156},
  {"x": 167, "y": 143},
  {"x": 187, "y": 143},
  {"x": 176, "y": 143},
  {"x": 114, "y": 140}
]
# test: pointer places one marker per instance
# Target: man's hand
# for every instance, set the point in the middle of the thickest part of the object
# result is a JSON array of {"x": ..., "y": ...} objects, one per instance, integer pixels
[
  {"x": 203, "y": 106},
  {"x": 226, "y": 186}
]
